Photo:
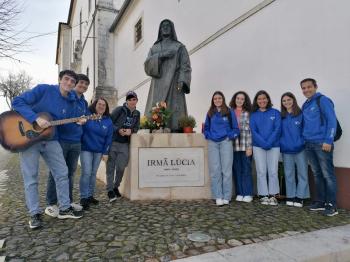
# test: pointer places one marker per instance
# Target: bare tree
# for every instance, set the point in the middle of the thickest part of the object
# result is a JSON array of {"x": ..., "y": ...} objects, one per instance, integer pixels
[
  {"x": 11, "y": 42},
  {"x": 14, "y": 85}
]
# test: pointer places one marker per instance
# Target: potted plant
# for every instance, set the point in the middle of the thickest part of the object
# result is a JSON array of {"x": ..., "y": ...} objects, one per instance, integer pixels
[{"x": 187, "y": 123}]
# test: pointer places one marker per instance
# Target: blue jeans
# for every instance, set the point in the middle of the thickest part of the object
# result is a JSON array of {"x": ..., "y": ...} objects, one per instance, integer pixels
[
  {"x": 220, "y": 158},
  {"x": 242, "y": 173},
  {"x": 323, "y": 170},
  {"x": 71, "y": 154},
  {"x": 300, "y": 190},
  {"x": 90, "y": 162},
  {"x": 266, "y": 162},
  {"x": 51, "y": 152}
]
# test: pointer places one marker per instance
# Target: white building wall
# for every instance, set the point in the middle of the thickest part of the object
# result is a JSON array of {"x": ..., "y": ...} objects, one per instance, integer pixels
[
  {"x": 272, "y": 50},
  {"x": 87, "y": 39}
]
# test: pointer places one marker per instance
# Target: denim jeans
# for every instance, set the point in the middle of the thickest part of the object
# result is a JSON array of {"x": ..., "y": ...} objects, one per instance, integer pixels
[
  {"x": 90, "y": 162},
  {"x": 242, "y": 173},
  {"x": 71, "y": 154},
  {"x": 118, "y": 159},
  {"x": 220, "y": 158},
  {"x": 51, "y": 152},
  {"x": 300, "y": 190},
  {"x": 323, "y": 170},
  {"x": 266, "y": 162}
]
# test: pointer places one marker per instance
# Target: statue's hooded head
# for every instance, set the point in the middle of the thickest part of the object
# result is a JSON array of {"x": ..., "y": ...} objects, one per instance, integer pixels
[{"x": 166, "y": 30}]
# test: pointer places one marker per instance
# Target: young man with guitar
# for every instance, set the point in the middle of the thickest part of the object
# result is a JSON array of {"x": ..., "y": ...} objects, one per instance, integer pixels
[
  {"x": 59, "y": 102},
  {"x": 70, "y": 141}
]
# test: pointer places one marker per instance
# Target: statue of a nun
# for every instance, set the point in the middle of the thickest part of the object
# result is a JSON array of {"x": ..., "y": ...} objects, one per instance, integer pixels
[{"x": 169, "y": 66}]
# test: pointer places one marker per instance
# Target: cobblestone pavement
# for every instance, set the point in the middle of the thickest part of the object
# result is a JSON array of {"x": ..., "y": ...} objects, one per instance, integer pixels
[{"x": 143, "y": 230}]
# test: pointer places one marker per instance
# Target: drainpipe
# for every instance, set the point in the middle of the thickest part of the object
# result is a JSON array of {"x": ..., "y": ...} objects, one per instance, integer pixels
[{"x": 94, "y": 48}]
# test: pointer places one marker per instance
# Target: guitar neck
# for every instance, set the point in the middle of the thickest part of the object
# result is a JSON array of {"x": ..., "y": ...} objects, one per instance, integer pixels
[{"x": 66, "y": 121}]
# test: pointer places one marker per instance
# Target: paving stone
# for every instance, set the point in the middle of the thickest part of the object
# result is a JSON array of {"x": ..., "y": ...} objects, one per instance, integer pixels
[
  {"x": 234, "y": 242},
  {"x": 247, "y": 241},
  {"x": 207, "y": 249}
]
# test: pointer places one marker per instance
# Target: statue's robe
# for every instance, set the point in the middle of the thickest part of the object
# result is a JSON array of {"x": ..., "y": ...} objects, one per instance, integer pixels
[{"x": 166, "y": 74}]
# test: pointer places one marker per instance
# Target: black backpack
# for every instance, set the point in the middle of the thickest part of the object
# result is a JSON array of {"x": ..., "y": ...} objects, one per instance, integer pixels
[{"x": 339, "y": 131}]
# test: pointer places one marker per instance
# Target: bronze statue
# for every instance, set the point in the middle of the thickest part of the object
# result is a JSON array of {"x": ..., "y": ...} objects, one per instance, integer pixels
[{"x": 169, "y": 66}]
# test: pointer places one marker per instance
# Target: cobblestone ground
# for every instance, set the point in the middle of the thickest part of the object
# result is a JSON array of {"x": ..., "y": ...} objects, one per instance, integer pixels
[{"x": 143, "y": 231}]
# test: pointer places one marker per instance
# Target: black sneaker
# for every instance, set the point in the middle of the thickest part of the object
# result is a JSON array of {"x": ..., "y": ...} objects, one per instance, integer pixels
[
  {"x": 117, "y": 193},
  {"x": 330, "y": 210},
  {"x": 317, "y": 206},
  {"x": 35, "y": 221},
  {"x": 93, "y": 200},
  {"x": 111, "y": 196},
  {"x": 298, "y": 202},
  {"x": 70, "y": 213},
  {"x": 85, "y": 203}
]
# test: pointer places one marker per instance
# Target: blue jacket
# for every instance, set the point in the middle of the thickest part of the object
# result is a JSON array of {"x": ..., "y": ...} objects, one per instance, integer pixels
[
  {"x": 71, "y": 133},
  {"x": 97, "y": 136},
  {"x": 266, "y": 128},
  {"x": 217, "y": 128},
  {"x": 313, "y": 131},
  {"x": 292, "y": 141},
  {"x": 45, "y": 98}
]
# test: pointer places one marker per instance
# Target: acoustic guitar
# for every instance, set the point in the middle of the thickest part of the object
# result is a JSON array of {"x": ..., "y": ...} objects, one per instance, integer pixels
[{"x": 17, "y": 134}]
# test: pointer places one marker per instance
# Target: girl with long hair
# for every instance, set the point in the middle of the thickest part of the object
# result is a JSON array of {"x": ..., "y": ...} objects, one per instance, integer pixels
[
  {"x": 96, "y": 141},
  {"x": 242, "y": 147},
  {"x": 220, "y": 129},
  {"x": 265, "y": 125},
  {"x": 292, "y": 148}
]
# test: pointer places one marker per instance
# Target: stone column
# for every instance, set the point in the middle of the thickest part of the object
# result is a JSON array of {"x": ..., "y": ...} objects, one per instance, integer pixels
[{"x": 105, "y": 52}]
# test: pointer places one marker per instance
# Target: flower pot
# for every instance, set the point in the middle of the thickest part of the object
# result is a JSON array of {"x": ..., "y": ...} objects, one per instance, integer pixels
[
  {"x": 188, "y": 129},
  {"x": 158, "y": 131},
  {"x": 144, "y": 131}
]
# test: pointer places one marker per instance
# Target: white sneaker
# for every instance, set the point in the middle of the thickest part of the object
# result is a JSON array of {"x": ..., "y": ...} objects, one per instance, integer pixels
[
  {"x": 264, "y": 201},
  {"x": 247, "y": 199},
  {"x": 273, "y": 201},
  {"x": 225, "y": 202},
  {"x": 52, "y": 211},
  {"x": 219, "y": 202},
  {"x": 76, "y": 206},
  {"x": 290, "y": 203},
  {"x": 239, "y": 198}
]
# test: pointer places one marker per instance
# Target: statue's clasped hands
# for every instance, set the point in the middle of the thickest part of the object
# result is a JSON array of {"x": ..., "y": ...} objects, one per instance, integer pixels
[{"x": 167, "y": 54}]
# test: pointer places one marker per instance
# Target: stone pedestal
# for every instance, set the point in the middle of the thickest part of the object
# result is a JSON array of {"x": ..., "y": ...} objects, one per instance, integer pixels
[{"x": 167, "y": 166}]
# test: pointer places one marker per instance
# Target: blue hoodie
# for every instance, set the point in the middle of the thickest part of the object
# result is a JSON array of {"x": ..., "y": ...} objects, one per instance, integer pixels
[
  {"x": 292, "y": 141},
  {"x": 266, "y": 128},
  {"x": 71, "y": 133},
  {"x": 313, "y": 131},
  {"x": 217, "y": 128},
  {"x": 45, "y": 98},
  {"x": 97, "y": 136}
]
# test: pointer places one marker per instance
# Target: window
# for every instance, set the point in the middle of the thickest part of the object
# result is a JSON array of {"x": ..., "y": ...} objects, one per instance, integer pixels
[
  {"x": 138, "y": 32},
  {"x": 80, "y": 25},
  {"x": 87, "y": 71}
]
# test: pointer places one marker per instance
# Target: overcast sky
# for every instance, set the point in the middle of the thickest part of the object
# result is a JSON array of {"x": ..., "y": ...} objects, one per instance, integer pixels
[{"x": 39, "y": 16}]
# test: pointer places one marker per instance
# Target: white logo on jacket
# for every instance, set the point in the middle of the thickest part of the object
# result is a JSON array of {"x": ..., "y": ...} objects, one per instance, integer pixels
[
  {"x": 297, "y": 123},
  {"x": 272, "y": 118}
]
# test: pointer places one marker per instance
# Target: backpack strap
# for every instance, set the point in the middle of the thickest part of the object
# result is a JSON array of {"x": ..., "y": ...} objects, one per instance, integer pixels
[{"x": 318, "y": 102}]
